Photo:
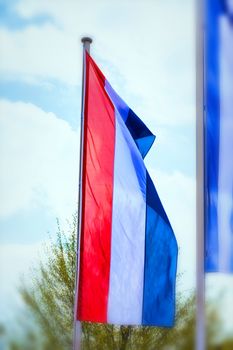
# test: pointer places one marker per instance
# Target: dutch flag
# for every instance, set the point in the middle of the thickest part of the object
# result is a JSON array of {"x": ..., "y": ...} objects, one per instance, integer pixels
[{"x": 128, "y": 251}]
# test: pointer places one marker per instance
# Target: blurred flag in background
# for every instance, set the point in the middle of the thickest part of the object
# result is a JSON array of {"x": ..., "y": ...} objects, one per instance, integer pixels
[{"x": 218, "y": 68}]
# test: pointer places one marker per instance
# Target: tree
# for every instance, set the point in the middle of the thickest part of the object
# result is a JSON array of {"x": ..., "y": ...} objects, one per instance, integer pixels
[{"x": 49, "y": 301}]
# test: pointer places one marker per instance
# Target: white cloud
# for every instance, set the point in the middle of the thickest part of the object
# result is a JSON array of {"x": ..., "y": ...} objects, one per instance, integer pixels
[
  {"x": 41, "y": 52},
  {"x": 219, "y": 290},
  {"x": 39, "y": 161},
  {"x": 147, "y": 50},
  {"x": 152, "y": 47},
  {"x": 15, "y": 262},
  {"x": 65, "y": 13}
]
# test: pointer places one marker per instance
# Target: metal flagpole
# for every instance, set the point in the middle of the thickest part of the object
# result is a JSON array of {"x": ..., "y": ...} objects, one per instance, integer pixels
[
  {"x": 200, "y": 221},
  {"x": 77, "y": 324}
]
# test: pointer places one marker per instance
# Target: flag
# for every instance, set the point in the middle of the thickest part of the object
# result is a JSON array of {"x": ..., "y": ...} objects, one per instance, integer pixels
[
  {"x": 218, "y": 67},
  {"x": 128, "y": 252}
]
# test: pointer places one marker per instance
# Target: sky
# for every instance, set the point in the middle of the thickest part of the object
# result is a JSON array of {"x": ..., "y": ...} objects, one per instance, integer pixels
[{"x": 146, "y": 49}]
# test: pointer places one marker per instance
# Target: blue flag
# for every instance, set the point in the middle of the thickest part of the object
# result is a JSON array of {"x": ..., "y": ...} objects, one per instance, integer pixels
[{"x": 219, "y": 136}]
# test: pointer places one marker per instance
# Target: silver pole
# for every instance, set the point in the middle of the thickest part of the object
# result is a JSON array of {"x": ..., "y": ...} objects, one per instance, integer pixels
[
  {"x": 77, "y": 324},
  {"x": 200, "y": 220}
]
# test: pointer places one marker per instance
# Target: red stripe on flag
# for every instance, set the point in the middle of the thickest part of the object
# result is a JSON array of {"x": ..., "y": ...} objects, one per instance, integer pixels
[{"x": 97, "y": 194}]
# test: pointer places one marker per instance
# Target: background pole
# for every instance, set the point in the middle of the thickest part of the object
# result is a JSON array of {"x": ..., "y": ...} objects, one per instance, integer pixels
[
  {"x": 77, "y": 325},
  {"x": 200, "y": 209}
]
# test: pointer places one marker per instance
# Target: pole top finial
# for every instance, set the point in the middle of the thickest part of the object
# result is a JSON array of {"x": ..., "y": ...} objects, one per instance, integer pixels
[{"x": 86, "y": 39}]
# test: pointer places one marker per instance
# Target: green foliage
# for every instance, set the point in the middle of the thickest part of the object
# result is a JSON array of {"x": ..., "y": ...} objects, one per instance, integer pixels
[
  {"x": 49, "y": 301},
  {"x": 101, "y": 337},
  {"x": 50, "y": 294}
]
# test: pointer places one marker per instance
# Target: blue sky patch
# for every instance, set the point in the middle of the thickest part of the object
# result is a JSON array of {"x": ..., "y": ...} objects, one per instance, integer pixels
[
  {"x": 10, "y": 19},
  {"x": 51, "y": 96},
  {"x": 26, "y": 227}
]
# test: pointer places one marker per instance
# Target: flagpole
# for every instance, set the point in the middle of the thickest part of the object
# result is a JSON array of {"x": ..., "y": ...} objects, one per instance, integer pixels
[
  {"x": 77, "y": 324},
  {"x": 200, "y": 177}
]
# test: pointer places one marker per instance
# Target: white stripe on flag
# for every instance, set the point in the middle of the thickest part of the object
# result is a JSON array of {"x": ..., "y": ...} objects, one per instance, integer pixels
[{"x": 128, "y": 231}]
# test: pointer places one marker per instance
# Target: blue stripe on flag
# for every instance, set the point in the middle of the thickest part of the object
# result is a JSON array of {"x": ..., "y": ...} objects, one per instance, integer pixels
[
  {"x": 160, "y": 264},
  {"x": 140, "y": 133},
  {"x": 213, "y": 11}
]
